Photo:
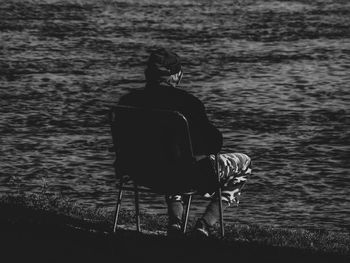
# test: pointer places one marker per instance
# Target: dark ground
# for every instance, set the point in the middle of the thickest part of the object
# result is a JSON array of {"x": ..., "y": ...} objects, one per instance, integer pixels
[{"x": 35, "y": 236}]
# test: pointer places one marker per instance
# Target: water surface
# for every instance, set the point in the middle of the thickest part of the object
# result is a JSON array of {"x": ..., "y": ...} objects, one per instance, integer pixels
[{"x": 274, "y": 76}]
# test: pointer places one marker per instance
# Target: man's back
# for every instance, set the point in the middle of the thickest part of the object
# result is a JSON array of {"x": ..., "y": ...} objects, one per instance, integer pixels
[{"x": 206, "y": 139}]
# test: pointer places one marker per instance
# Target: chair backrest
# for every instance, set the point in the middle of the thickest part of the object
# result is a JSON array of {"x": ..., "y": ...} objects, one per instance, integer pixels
[{"x": 153, "y": 147}]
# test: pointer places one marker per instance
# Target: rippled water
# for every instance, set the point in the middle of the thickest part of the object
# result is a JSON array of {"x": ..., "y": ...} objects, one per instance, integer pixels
[{"x": 274, "y": 76}]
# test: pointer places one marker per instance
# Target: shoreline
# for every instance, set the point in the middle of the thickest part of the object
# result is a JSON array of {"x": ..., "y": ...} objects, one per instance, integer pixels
[{"x": 48, "y": 227}]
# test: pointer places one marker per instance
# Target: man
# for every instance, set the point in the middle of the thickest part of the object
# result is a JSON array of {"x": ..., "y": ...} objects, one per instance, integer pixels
[{"x": 163, "y": 75}]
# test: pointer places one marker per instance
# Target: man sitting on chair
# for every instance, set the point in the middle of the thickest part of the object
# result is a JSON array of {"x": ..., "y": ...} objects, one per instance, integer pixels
[{"x": 163, "y": 74}]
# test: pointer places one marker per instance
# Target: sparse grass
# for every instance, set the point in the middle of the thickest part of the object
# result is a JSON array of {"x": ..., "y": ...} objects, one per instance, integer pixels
[
  {"x": 53, "y": 203},
  {"x": 70, "y": 213},
  {"x": 325, "y": 241}
]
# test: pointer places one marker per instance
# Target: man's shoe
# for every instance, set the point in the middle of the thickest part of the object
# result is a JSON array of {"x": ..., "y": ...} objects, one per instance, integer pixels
[
  {"x": 174, "y": 230},
  {"x": 201, "y": 229}
]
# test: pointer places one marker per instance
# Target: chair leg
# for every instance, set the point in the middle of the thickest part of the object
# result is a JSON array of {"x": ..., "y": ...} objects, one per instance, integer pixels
[
  {"x": 119, "y": 202},
  {"x": 188, "y": 205},
  {"x": 137, "y": 208},
  {"x": 222, "y": 231}
]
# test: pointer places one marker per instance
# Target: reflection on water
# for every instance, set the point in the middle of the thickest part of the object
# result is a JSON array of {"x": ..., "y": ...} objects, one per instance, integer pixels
[{"x": 273, "y": 75}]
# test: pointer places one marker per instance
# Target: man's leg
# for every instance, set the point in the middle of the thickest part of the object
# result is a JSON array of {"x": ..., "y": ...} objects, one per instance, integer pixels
[
  {"x": 175, "y": 212},
  {"x": 234, "y": 169},
  {"x": 210, "y": 217}
]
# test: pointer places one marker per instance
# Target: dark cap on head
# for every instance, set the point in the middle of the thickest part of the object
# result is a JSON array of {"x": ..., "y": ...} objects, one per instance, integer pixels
[{"x": 162, "y": 63}]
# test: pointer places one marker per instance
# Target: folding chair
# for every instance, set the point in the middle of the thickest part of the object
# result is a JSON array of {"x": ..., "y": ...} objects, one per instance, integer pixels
[{"x": 153, "y": 148}]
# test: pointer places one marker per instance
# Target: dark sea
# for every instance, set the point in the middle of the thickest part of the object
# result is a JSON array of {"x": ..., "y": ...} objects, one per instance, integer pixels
[{"x": 274, "y": 77}]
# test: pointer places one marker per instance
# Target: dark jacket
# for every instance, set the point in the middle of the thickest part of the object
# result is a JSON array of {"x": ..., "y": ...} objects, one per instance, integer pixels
[{"x": 206, "y": 139}]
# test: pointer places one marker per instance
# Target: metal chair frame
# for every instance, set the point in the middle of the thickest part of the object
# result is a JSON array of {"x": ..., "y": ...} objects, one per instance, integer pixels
[{"x": 137, "y": 189}]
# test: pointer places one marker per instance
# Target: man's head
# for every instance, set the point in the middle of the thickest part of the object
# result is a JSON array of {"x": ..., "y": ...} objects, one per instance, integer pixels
[{"x": 163, "y": 66}]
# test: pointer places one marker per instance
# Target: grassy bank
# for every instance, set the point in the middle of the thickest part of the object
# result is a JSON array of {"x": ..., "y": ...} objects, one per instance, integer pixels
[{"x": 41, "y": 220}]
